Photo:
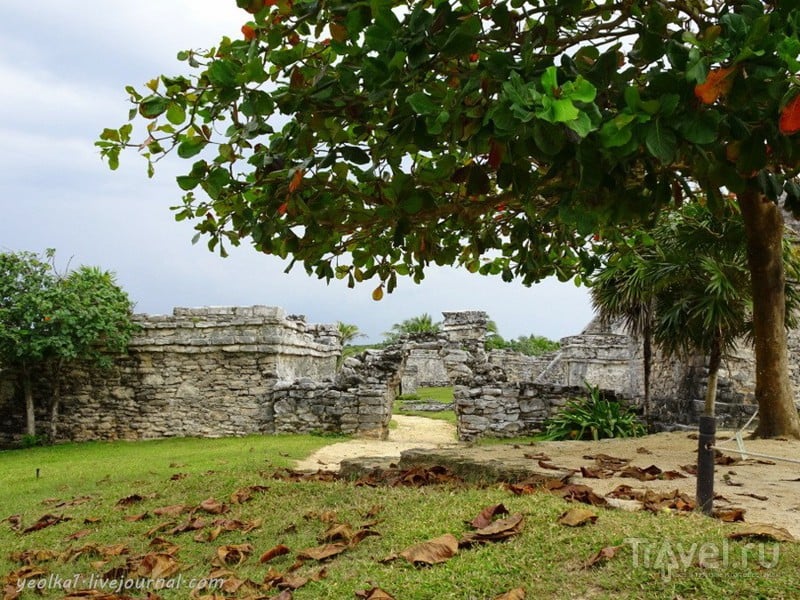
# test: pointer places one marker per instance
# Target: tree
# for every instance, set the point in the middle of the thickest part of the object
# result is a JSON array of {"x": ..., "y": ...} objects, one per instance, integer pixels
[
  {"x": 50, "y": 321},
  {"x": 423, "y": 323},
  {"x": 688, "y": 286},
  {"x": 348, "y": 332},
  {"x": 373, "y": 139}
]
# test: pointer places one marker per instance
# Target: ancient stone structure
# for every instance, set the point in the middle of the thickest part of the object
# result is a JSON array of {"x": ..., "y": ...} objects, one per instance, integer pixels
[
  {"x": 242, "y": 370},
  {"x": 197, "y": 372}
]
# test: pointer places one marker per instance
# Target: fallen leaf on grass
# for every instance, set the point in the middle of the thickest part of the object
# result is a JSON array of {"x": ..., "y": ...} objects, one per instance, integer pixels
[
  {"x": 32, "y": 557},
  {"x": 655, "y": 501},
  {"x": 232, "y": 555},
  {"x": 729, "y": 515},
  {"x": 47, "y": 520},
  {"x": 178, "y": 476},
  {"x": 323, "y": 552},
  {"x": 762, "y": 531},
  {"x": 212, "y": 506},
  {"x": 135, "y": 518},
  {"x": 72, "y": 502},
  {"x": 515, "y": 594},
  {"x": 437, "y": 550},
  {"x": 14, "y": 521},
  {"x": 602, "y": 556},
  {"x": 78, "y": 534},
  {"x": 577, "y": 517},
  {"x": 487, "y": 515},
  {"x": 171, "y": 511},
  {"x": 129, "y": 500},
  {"x": 246, "y": 494},
  {"x": 278, "y": 550},
  {"x": 155, "y": 565},
  {"x": 578, "y": 493},
  {"x": 496, "y": 531},
  {"x": 92, "y": 520},
  {"x": 189, "y": 525},
  {"x": 374, "y": 594}
]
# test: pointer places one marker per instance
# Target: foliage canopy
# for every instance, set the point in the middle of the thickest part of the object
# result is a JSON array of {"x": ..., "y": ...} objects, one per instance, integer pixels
[{"x": 370, "y": 139}]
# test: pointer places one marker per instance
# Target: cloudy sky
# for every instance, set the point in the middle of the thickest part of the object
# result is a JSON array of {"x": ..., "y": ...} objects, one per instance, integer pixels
[{"x": 63, "y": 67}]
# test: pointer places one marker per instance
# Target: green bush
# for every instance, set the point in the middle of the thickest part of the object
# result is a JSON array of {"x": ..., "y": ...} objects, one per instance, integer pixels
[{"x": 593, "y": 418}]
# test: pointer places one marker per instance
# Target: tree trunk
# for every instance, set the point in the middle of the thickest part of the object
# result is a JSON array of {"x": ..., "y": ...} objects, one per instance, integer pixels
[
  {"x": 647, "y": 355},
  {"x": 30, "y": 413},
  {"x": 55, "y": 402},
  {"x": 763, "y": 221},
  {"x": 715, "y": 359}
]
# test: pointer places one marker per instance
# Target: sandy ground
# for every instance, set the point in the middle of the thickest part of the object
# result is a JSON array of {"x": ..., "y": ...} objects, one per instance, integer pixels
[
  {"x": 411, "y": 432},
  {"x": 768, "y": 490}
]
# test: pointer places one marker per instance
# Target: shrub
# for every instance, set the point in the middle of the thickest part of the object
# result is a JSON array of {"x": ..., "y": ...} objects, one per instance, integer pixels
[{"x": 593, "y": 418}]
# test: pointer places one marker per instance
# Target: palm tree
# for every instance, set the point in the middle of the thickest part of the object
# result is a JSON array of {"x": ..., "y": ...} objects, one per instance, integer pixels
[
  {"x": 421, "y": 324},
  {"x": 348, "y": 332},
  {"x": 623, "y": 291},
  {"x": 686, "y": 287}
]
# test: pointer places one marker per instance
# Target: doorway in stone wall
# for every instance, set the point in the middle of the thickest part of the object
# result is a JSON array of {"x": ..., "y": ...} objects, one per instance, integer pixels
[{"x": 429, "y": 402}]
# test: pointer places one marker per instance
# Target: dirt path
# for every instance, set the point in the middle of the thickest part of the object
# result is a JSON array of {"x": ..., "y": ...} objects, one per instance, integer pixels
[
  {"x": 411, "y": 432},
  {"x": 769, "y": 491}
]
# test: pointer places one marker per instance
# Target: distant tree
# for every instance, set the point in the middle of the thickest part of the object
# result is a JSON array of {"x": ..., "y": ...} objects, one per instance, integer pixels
[
  {"x": 348, "y": 332},
  {"x": 622, "y": 290},
  {"x": 49, "y": 321},
  {"x": 424, "y": 323},
  {"x": 530, "y": 345}
]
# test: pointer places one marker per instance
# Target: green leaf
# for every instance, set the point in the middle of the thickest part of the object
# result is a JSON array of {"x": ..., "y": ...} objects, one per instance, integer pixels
[
  {"x": 354, "y": 154},
  {"x": 176, "y": 114},
  {"x": 187, "y": 182},
  {"x": 579, "y": 90},
  {"x": 661, "y": 142},
  {"x": 153, "y": 106},
  {"x": 191, "y": 147},
  {"x": 422, "y": 104},
  {"x": 222, "y": 73}
]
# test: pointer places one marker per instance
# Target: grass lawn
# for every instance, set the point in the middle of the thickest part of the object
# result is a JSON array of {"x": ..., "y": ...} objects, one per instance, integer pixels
[
  {"x": 432, "y": 395},
  {"x": 671, "y": 557}
]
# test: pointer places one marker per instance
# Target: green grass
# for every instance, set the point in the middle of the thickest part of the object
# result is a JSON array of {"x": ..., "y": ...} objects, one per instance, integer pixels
[
  {"x": 443, "y": 395},
  {"x": 546, "y": 558}
]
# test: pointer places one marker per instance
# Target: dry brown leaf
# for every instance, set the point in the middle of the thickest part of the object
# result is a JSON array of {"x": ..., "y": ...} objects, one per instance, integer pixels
[
  {"x": 602, "y": 556},
  {"x": 246, "y": 494},
  {"x": 14, "y": 521},
  {"x": 762, "y": 531},
  {"x": 323, "y": 552},
  {"x": 232, "y": 555},
  {"x": 536, "y": 456},
  {"x": 47, "y": 520},
  {"x": 171, "y": 511},
  {"x": 647, "y": 474},
  {"x": 589, "y": 473},
  {"x": 486, "y": 516},
  {"x": 643, "y": 450},
  {"x": 160, "y": 527},
  {"x": 756, "y": 496},
  {"x": 576, "y": 517},
  {"x": 164, "y": 546},
  {"x": 374, "y": 594},
  {"x": 729, "y": 515},
  {"x": 373, "y": 511},
  {"x": 515, "y": 594},
  {"x": 604, "y": 461},
  {"x": 191, "y": 524},
  {"x": 274, "y": 552},
  {"x": 156, "y": 565},
  {"x": 78, "y": 534},
  {"x": 129, "y": 500},
  {"x": 32, "y": 557},
  {"x": 496, "y": 531},
  {"x": 178, "y": 476},
  {"x": 213, "y": 506},
  {"x": 433, "y": 551},
  {"x": 338, "y": 532},
  {"x": 135, "y": 518}
]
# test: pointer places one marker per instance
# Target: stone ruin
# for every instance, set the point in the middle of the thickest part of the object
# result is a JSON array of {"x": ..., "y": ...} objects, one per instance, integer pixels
[{"x": 225, "y": 371}]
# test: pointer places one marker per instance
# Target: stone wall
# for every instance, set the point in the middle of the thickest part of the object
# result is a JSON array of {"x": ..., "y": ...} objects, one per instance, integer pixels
[
  {"x": 197, "y": 372},
  {"x": 509, "y": 409}
]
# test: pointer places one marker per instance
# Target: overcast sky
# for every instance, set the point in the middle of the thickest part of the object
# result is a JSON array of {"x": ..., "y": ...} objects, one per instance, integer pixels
[{"x": 63, "y": 67}]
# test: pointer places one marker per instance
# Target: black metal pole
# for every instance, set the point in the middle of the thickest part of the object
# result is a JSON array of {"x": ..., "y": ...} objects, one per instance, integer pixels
[{"x": 705, "y": 464}]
